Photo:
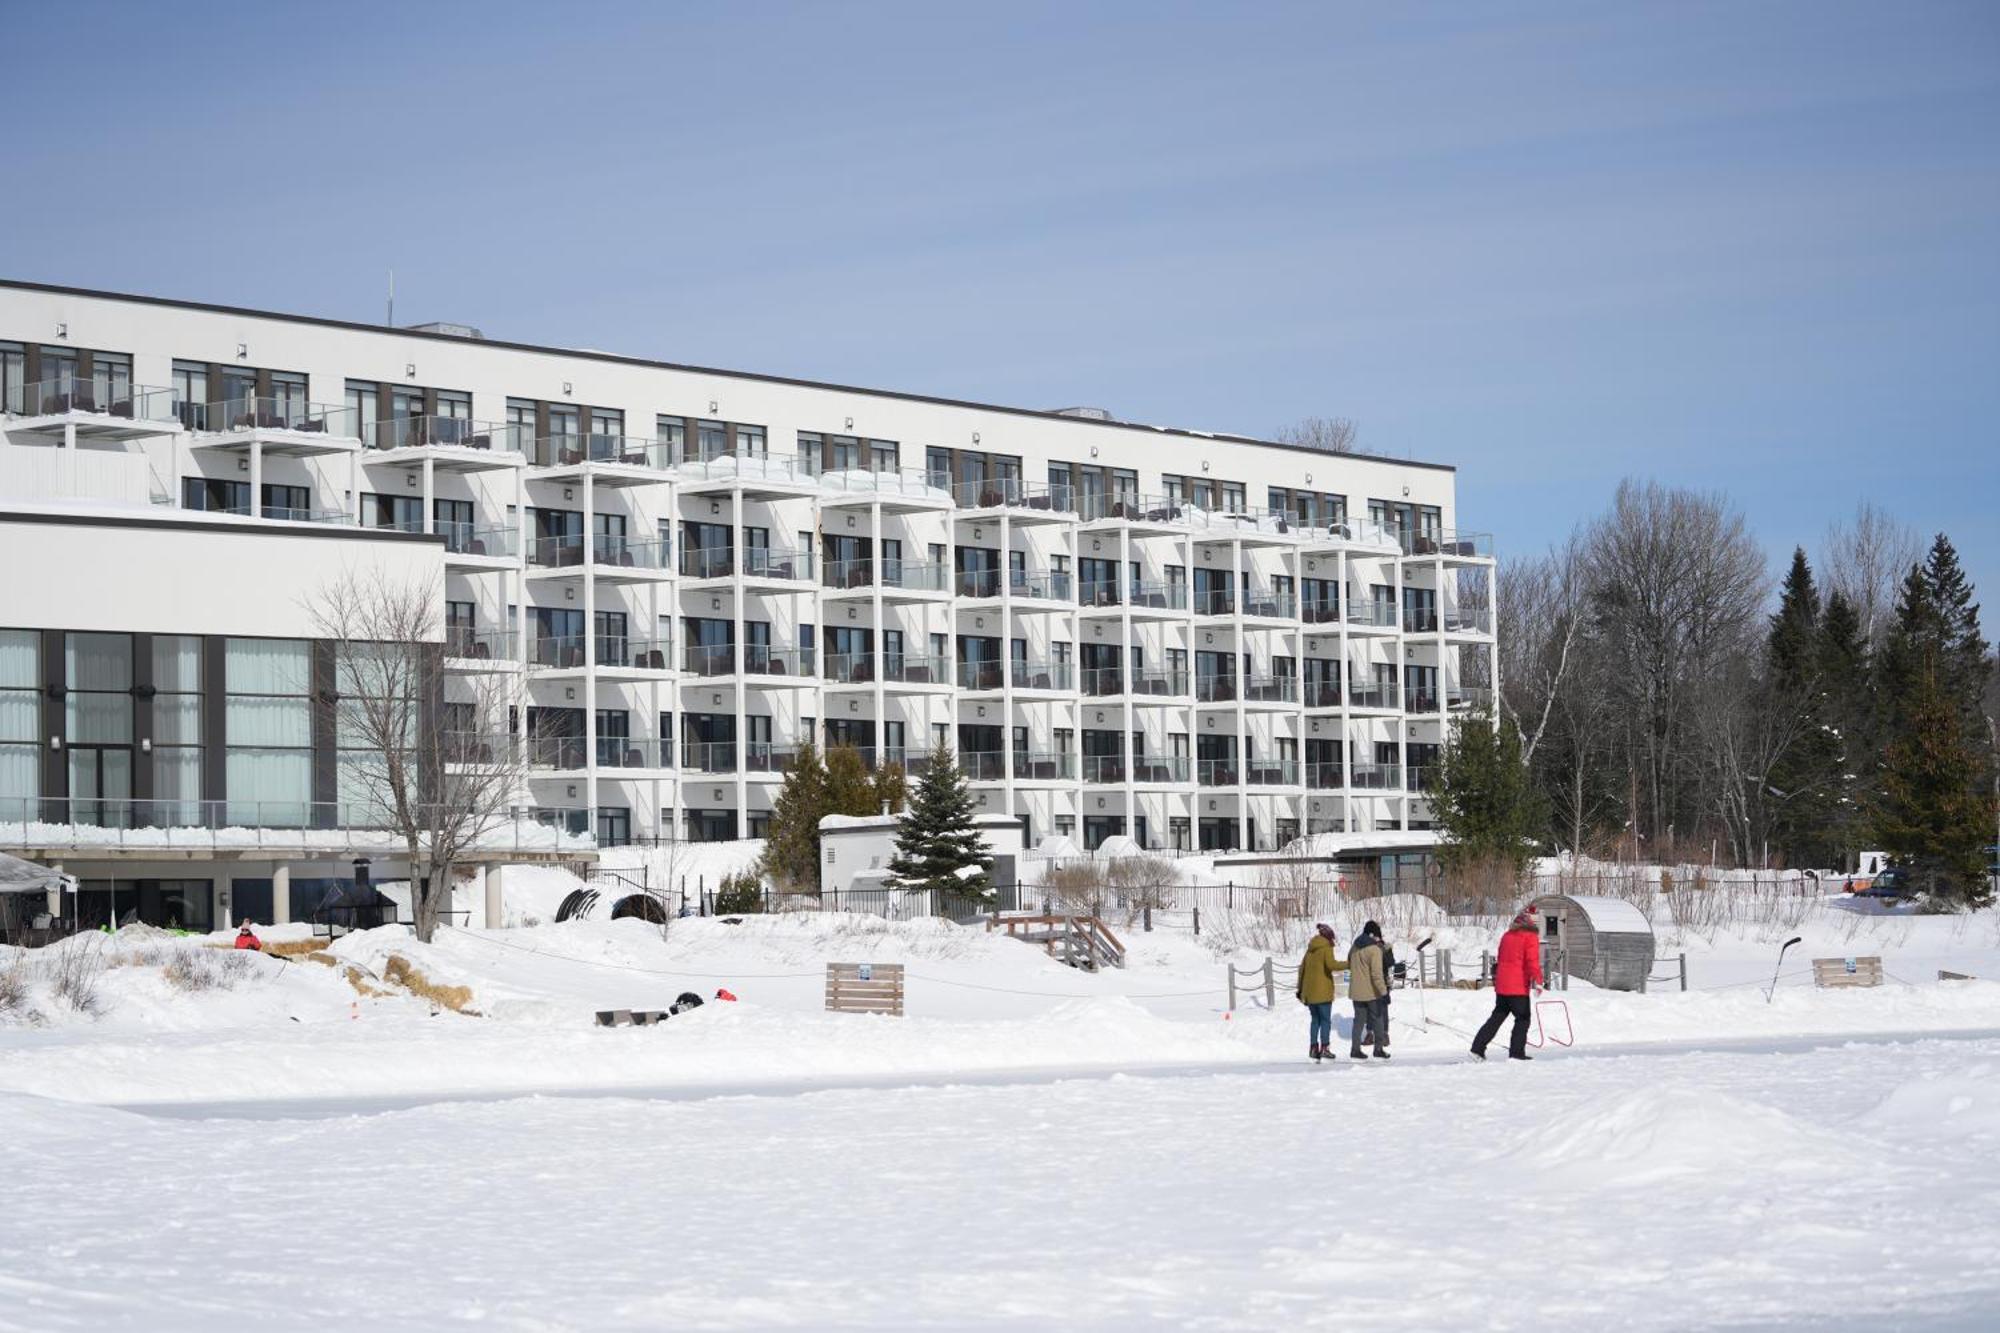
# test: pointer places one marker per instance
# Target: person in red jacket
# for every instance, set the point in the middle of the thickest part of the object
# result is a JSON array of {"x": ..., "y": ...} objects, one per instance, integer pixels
[
  {"x": 247, "y": 938},
  {"x": 1517, "y": 973}
]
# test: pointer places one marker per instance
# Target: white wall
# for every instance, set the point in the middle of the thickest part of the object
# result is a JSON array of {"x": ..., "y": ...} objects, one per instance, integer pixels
[{"x": 247, "y": 577}]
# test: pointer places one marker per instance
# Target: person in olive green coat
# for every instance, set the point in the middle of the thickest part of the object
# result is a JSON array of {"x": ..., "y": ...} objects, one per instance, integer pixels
[
  {"x": 1368, "y": 987},
  {"x": 1316, "y": 989}
]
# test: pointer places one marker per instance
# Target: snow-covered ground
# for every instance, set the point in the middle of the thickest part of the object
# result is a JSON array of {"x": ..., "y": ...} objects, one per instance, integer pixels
[{"x": 1029, "y": 1147}]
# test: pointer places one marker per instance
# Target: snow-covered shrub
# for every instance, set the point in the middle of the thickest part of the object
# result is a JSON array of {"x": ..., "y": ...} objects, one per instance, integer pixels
[
  {"x": 73, "y": 969},
  {"x": 199, "y": 969},
  {"x": 739, "y": 894},
  {"x": 13, "y": 986}
]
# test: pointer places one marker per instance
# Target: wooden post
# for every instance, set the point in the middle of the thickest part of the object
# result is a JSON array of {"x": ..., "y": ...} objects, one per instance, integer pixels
[
  {"x": 1684, "y": 970},
  {"x": 1270, "y": 985},
  {"x": 1197, "y": 920},
  {"x": 1232, "y": 986},
  {"x": 1149, "y": 918}
]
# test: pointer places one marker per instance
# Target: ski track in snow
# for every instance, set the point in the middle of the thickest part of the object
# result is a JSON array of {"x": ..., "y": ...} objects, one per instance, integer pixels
[{"x": 1852, "y": 1184}]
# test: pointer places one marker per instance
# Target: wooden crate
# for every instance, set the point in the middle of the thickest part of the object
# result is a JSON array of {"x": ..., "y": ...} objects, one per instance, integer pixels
[
  {"x": 1837, "y": 972},
  {"x": 864, "y": 988}
]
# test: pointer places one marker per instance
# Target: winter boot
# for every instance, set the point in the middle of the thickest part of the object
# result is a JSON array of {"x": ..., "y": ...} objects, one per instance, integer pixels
[
  {"x": 1478, "y": 1054},
  {"x": 1315, "y": 1053},
  {"x": 1512, "y": 1056}
]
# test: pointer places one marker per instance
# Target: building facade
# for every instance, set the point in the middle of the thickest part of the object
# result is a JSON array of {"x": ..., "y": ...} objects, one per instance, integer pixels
[{"x": 680, "y": 574}]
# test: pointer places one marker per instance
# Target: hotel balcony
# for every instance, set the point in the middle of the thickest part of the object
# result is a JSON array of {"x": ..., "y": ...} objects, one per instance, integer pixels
[
  {"x": 1023, "y": 502},
  {"x": 1450, "y": 546},
  {"x": 1169, "y": 686},
  {"x": 151, "y": 828},
  {"x": 759, "y": 476},
  {"x": 1324, "y": 776},
  {"x": 1053, "y": 592},
  {"x": 1375, "y": 777},
  {"x": 898, "y": 580},
  {"x": 1258, "y": 604},
  {"x": 776, "y": 566},
  {"x": 612, "y": 654},
  {"x": 278, "y": 427},
  {"x": 762, "y": 665},
  {"x": 449, "y": 444},
  {"x": 1380, "y": 697},
  {"x": 1144, "y": 514},
  {"x": 1271, "y": 773},
  {"x": 898, "y": 674},
  {"x": 1322, "y": 611},
  {"x": 104, "y": 410},
  {"x": 1261, "y": 690},
  {"x": 1029, "y": 677},
  {"x": 1465, "y": 698},
  {"x": 762, "y": 757},
  {"x": 613, "y": 558},
  {"x": 1373, "y": 616},
  {"x": 566, "y": 754},
  {"x": 708, "y": 756},
  {"x": 1157, "y": 600},
  {"x": 470, "y": 548},
  {"x": 1472, "y": 621},
  {"x": 468, "y": 650},
  {"x": 895, "y": 490},
  {"x": 611, "y": 460}
]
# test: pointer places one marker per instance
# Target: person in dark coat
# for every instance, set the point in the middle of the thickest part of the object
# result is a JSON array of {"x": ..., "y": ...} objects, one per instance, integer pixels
[
  {"x": 1367, "y": 983},
  {"x": 1516, "y": 974},
  {"x": 1389, "y": 979}
]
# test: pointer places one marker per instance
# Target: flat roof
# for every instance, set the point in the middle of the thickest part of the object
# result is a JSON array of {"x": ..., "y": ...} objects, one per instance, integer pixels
[{"x": 1039, "y": 413}]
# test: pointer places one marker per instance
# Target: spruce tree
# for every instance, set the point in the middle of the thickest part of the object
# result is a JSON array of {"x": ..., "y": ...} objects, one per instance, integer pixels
[
  {"x": 938, "y": 839},
  {"x": 1482, "y": 799},
  {"x": 1850, "y": 718},
  {"x": 892, "y": 788},
  {"x": 1802, "y": 782},
  {"x": 791, "y": 842},
  {"x": 1937, "y": 810}
]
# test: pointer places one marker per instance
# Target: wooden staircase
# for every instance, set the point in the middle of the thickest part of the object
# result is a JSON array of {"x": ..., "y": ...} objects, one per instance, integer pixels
[{"x": 1082, "y": 942}]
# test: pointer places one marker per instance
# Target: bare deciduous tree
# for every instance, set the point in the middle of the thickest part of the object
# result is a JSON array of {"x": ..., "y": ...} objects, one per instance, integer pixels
[
  {"x": 443, "y": 790},
  {"x": 1332, "y": 435},
  {"x": 1865, "y": 561}
]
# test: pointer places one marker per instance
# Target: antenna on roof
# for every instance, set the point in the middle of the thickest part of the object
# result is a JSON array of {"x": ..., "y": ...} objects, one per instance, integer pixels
[{"x": 392, "y": 298}]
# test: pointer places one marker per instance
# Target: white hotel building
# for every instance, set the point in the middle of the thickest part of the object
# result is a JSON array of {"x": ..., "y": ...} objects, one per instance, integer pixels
[{"x": 1194, "y": 640}]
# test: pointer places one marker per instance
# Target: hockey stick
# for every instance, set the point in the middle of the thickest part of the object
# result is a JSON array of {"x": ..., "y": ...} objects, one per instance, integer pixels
[{"x": 1779, "y": 968}]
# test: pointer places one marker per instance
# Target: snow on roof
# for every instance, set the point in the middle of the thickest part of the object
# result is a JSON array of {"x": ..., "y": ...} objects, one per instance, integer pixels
[{"x": 1612, "y": 914}]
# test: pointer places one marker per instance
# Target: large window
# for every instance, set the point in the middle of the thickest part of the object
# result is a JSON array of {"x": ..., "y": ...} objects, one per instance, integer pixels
[
  {"x": 98, "y": 727},
  {"x": 177, "y": 728},
  {"x": 20, "y": 718},
  {"x": 267, "y": 725}
]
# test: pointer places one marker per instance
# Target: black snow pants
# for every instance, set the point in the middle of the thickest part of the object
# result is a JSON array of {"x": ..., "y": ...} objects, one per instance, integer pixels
[{"x": 1503, "y": 1005}]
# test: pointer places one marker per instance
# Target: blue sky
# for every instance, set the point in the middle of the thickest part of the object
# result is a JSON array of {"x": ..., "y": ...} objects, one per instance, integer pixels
[{"x": 1753, "y": 247}]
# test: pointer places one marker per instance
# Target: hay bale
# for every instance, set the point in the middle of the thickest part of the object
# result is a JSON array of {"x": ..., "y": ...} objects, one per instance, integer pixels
[{"x": 400, "y": 971}]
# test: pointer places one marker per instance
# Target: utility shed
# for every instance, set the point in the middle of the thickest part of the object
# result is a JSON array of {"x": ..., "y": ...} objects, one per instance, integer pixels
[{"x": 1606, "y": 941}]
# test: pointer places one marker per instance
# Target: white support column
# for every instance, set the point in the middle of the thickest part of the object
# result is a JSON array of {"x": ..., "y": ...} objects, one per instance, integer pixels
[
  {"x": 819, "y": 619},
  {"x": 1304, "y": 797},
  {"x": 1238, "y": 590},
  {"x": 1401, "y": 651},
  {"x": 589, "y": 568},
  {"x": 430, "y": 493},
  {"x": 353, "y": 505},
  {"x": 879, "y": 635},
  {"x": 1006, "y": 662},
  {"x": 281, "y": 892},
  {"x": 486, "y": 880},
  {"x": 256, "y": 475},
  {"x": 740, "y": 552},
  {"x": 1126, "y": 591},
  {"x": 1342, "y": 717}
]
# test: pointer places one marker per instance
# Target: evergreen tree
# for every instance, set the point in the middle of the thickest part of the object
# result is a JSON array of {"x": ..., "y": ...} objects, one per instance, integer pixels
[
  {"x": 1802, "y": 783},
  {"x": 1937, "y": 810},
  {"x": 850, "y": 789},
  {"x": 892, "y": 788},
  {"x": 1482, "y": 798},
  {"x": 1849, "y": 716},
  {"x": 938, "y": 839},
  {"x": 1936, "y": 631},
  {"x": 791, "y": 843}
]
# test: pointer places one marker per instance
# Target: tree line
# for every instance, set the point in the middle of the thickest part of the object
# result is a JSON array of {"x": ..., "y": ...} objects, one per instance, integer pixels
[{"x": 1656, "y": 705}]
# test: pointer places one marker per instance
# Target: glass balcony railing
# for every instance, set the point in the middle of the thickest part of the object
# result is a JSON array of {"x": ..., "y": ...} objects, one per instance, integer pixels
[
  {"x": 1044, "y": 766},
  {"x": 87, "y": 822},
  {"x": 1375, "y": 777},
  {"x": 1265, "y": 688},
  {"x": 465, "y": 539},
  {"x": 465, "y": 641},
  {"x": 1150, "y": 595},
  {"x": 1447, "y": 543},
  {"x": 1417, "y": 777},
  {"x": 422, "y": 432},
  {"x": 1129, "y": 506},
  {"x": 1381, "y": 615},
  {"x": 280, "y": 414},
  {"x": 612, "y": 650},
  {"x": 292, "y": 514},
  {"x": 877, "y": 481},
  {"x": 708, "y": 756},
  {"x": 864, "y": 572},
  {"x": 1478, "y": 698},
  {"x": 764, "y": 757},
  {"x": 1104, "y": 768},
  {"x": 1468, "y": 620},
  {"x": 1162, "y": 769},
  {"x": 556, "y": 552},
  {"x": 1322, "y": 610},
  {"x": 1419, "y": 620},
  {"x": 1271, "y": 604},
  {"x": 573, "y": 450},
  {"x": 756, "y": 562},
  {"x": 748, "y": 467},
  {"x": 709, "y": 659},
  {"x": 1216, "y": 772},
  {"x": 1323, "y": 775},
  {"x": 634, "y": 752},
  {"x": 626, "y": 553},
  {"x": 1215, "y": 689},
  {"x": 1272, "y": 773},
  {"x": 1009, "y": 493},
  {"x": 1382, "y": 694},
  {"x": 1026, "y": 676},
  {"x": 983, "y": 765},
  {"x": 1322, "y": 694},
  {"x": 1099, "y": 682},
  {"x": 1171, "y": 683},
  {"x": 105, "y": 396}
]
